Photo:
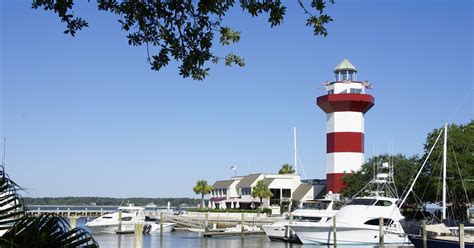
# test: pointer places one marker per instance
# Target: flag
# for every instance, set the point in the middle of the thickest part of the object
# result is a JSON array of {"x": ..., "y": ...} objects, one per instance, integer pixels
[{"x": 233, "y": 167}]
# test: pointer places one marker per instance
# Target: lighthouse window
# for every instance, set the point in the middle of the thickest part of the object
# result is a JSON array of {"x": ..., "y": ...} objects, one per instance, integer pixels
[
  {"x": 356, "y": 91},
  {"x": 330, "y": 92}
]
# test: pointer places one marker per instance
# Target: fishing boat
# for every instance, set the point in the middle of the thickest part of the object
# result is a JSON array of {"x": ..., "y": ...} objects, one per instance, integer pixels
[{"x": 357, "y": 222}]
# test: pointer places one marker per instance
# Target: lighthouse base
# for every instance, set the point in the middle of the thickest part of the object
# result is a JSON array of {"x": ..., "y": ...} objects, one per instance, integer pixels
[{"x": 334, "y": 182}]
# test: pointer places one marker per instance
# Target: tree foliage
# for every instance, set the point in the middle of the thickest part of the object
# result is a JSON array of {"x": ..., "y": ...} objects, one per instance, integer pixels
[
  {"x": 460, "y": 161},
  {"x": 286, "y": 169},
  {"x": 184, "y": 30},
  {"x": 202, "y": 188},
  {"x": 261, "y": 191}
]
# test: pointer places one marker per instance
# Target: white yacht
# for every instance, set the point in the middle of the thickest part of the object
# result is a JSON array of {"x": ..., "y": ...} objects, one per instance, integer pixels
[
  {"x": 124, "y": 220},
  {"x": 318, "y": 211},
  {"x": 357, "y": 222}
]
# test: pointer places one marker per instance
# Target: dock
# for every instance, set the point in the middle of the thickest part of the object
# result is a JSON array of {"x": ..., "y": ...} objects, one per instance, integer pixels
[{"x": 211, "y": 234}]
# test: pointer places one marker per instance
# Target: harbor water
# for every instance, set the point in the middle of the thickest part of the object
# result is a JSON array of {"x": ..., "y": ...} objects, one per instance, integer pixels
[{"x": 190, "y": 239}]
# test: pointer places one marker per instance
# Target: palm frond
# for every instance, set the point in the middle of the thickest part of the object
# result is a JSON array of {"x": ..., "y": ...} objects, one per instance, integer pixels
[
  {"x": 12, "y": 207},
  {"x": 47, "y": 230}
]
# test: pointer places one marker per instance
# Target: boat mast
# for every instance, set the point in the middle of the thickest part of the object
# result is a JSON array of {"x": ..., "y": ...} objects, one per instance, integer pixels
[
  {"x": 296, "y": 156},
  {"x": 444, "y": 167}
]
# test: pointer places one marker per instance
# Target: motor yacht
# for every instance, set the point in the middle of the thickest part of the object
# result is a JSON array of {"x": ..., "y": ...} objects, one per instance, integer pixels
[
  {"x": 357, "y": 222},
  {"x": 124, "y": 220},
  {"x": 317, "y": 211}
]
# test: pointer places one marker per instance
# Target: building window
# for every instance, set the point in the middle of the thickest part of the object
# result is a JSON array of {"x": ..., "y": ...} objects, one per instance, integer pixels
[
  {"x": 276, "y": 198},
  {"x": 286, "y": 193},
  {"x": 246, "y": 191},
  {"x": 224, "y": 191}
]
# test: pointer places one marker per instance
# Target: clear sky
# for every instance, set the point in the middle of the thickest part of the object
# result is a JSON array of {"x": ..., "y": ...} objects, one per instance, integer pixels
[{"x": 85, "y": 116}]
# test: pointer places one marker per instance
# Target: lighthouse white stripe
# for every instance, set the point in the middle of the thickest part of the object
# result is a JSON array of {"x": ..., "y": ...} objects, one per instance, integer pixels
[
  {"x": 346, "y": 121},
  {"x": 339, "y": 162}
]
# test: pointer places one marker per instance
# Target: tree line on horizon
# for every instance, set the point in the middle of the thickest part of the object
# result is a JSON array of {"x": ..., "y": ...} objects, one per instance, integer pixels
[{"x": 110, "y": 201}]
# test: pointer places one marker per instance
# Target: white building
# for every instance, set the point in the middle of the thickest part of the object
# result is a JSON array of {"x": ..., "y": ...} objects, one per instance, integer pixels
[{"x": 287, "y": 189}]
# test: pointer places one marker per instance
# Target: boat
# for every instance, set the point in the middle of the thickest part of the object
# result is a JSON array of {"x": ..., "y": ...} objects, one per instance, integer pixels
[
  {"x": 437, "y": 234},
  {"x": 318, "y": 211},
  {"x": 125, "y": 219},
  {"x": 357, "y": 222}
]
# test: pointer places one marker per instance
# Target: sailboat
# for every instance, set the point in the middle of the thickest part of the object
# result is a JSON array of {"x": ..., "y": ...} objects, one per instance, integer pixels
[{"x": 438, "y": 235}]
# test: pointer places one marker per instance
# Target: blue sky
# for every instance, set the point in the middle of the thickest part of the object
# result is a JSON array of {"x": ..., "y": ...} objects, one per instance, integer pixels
[{"x": 85, "y": 115}]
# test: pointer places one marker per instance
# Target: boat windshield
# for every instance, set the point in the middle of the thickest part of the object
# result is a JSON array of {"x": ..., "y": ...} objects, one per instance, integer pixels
[
  {"x": 365, "y": 202},
  {"x": 307, "y": 219},
  {"x": 321, "y": 205}
]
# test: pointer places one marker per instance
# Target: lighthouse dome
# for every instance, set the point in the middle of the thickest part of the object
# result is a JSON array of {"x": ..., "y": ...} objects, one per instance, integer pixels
[{"x": 345, "y": 71}]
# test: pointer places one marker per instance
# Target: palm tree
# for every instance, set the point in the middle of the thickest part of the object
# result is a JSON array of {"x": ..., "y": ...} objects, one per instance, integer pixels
[
  {"x": 202, "y": 188},
  {"x": 261, "y": 191},
  {"x": 18, "y": 228},
  {"x": 286, "y": 169}
]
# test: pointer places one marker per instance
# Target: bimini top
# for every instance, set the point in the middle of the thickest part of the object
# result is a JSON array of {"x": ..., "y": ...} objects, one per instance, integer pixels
[{"x": 345, "y": 65}]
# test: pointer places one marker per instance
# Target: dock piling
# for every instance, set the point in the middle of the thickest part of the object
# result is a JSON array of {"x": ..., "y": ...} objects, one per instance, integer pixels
[
  {"x": 242, "y": 221},
  {"x": 461, "y": 235},
  {"x": 120, "y": 221},
  {"x": 381, "y": 232},
  {"x": 423, "y": 234},
  {"x": 161, "y": 223},
  {"x": 73, "y": 222},
  {"x": 138, "y": 235},
  {"x": 334, "y": 231},
  {"x": 206, "y": 222}
]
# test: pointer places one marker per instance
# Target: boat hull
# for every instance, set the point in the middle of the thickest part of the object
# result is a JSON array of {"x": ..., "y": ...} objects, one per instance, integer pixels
[
  {"x": 150, "y": 228},
  {"x": 323, "y": 235},
  {"x": 437, "y": 243}
]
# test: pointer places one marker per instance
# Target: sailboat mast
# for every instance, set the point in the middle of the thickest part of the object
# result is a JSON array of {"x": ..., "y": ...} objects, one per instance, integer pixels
[
  {"x": 296, "y": 154},
  {"x": 444, "y": 167}
]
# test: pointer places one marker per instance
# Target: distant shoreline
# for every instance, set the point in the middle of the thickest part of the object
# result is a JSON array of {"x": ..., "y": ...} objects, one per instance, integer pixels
[{"x": 111, "y": 201}]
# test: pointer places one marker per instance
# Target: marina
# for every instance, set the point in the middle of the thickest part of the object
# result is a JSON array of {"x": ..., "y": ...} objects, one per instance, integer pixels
[{"x": 236, "y": 124}]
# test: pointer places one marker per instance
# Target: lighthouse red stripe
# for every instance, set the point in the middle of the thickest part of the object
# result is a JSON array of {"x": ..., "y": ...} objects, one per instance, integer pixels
[
  {"x": 345, "y": 102},
  {"x": 334, "y": 182},
  {"x": 344, "y": 142}
]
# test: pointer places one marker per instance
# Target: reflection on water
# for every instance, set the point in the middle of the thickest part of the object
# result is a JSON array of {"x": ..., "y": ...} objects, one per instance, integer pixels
[{"x": 188, "y": 239}]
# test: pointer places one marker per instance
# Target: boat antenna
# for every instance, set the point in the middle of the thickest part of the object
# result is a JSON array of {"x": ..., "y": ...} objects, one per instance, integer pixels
[
  {"x": 445, "y": 145},
  {"x": 296, "y": 153},
  {"x": 3, "y": 156}
]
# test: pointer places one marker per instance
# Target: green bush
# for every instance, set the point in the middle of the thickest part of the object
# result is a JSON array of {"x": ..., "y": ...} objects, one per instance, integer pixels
[{"x": 266, "y": 211}]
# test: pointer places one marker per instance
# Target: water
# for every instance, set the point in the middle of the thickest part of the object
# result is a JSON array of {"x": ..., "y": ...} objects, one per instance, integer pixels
[{"x": 191, "y": 240}]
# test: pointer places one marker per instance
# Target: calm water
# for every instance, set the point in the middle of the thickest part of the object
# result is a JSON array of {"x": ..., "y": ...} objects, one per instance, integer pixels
[{"x": 188, "y": 239}]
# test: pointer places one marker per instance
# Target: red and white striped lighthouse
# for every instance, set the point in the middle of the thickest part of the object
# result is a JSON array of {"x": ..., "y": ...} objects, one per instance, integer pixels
[{"x": 345, "y": 105}]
